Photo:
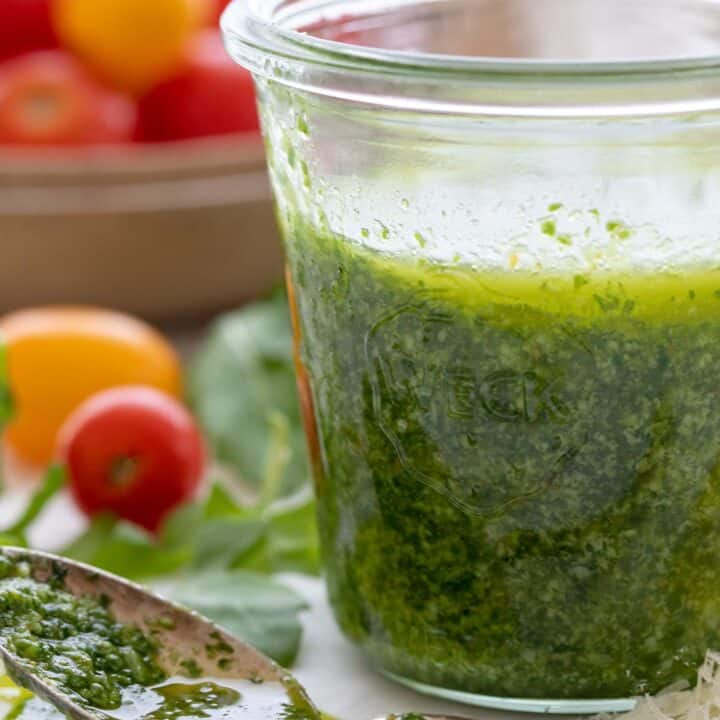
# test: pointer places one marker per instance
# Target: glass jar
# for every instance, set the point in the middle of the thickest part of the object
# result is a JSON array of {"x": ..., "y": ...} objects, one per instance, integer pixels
[{"x": 502, "y": 227}]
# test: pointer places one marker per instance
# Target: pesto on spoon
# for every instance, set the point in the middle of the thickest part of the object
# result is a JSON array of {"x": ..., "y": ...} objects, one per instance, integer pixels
[{"x": 99, "y": 647}]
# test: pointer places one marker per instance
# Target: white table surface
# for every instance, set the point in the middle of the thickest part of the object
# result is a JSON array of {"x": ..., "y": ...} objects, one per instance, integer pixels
[
  {"x": 336, "y": 675},
  {"x": 340, "y": 679}
]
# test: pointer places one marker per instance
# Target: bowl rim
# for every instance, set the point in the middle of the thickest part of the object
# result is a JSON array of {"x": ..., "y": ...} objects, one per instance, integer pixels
[{"x": 237, "y": 151}]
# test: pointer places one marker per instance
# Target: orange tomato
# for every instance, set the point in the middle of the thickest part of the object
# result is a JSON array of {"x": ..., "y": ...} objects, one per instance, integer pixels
[
  {"x": 132, "y": 44},
  {"x": 59, "y": 356},
  {"x": 204, "y": 12}
]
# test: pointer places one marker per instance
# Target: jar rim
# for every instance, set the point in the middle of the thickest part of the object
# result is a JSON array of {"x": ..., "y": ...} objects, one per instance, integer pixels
[{"x": 262, "y": 35}]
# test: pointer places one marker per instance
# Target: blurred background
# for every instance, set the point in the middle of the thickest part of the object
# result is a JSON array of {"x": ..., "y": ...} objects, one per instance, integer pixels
[
  {"x": 132, "y": 172},
  {"x": 138, "y": 247},
  {"x": 149, "y": 423}
]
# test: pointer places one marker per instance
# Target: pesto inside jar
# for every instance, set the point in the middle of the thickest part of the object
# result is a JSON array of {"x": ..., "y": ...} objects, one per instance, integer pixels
[{"x": 518, "y": 475}]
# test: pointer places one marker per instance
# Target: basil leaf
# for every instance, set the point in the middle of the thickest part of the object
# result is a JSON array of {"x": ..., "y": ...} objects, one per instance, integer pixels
[
  {"x": 214, "y": 533},
  {"x": 293, "y": 540},
  {"x": 127, "y": 550},
  {"x": 182, "y": 526},
  {"x": 52, "y": 484},
  {"x": 255, "y": 608},
  {"x": 220, "y": 503},
  {"x": 290, "y": 541},
  {"x": 221, "y": 540},
  {"x": 11, "y": 540},
  {"x": 282, "y": 537},
  {"x": 239, "y": 385}
]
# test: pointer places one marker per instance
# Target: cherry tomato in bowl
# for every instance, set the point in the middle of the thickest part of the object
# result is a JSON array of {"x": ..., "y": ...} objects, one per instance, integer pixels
[
  {"x": 25, "y": 25},
  {"x": 132, "y": 451},
  {"x": 208, "y": 95},
  {"x": 49, "y": 98}
]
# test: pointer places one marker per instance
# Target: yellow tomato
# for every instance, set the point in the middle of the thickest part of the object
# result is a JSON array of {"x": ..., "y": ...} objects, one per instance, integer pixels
[
  {"x": 59, "y": 356},
  {"x": 133, "y": 44}
]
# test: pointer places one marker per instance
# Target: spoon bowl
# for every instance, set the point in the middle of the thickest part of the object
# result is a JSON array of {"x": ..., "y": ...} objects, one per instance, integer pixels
[{"x": 188, "y": 644}]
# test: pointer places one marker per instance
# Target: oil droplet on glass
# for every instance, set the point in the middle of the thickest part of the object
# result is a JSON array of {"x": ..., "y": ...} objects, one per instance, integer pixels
[
  {"x": 302, "y": 125},
  {"x": 384, "y": 230}
]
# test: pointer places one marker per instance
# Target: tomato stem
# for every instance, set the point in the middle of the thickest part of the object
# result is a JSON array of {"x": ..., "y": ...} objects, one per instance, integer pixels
[{"x": 123, "y": 470}]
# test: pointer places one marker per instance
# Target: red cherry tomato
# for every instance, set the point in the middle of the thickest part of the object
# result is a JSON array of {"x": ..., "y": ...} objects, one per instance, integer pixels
[
  {"x": 132, "y": 451},
  {"x": 48, "y": 98},
  {"x": 25, "y": 25},
  {"x": 210, "y": 95}
]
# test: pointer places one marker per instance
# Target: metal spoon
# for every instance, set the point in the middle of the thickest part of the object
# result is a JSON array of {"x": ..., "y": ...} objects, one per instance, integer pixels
[{"x": 180, "y": 633}]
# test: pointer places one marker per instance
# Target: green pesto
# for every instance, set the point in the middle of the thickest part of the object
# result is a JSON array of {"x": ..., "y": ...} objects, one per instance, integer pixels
[
  {"x": 519, "y": 490},
  {"x": 74, "y": 642},
  {"x": 189, "y": 700},
  {"x": 173, "y": 700}
]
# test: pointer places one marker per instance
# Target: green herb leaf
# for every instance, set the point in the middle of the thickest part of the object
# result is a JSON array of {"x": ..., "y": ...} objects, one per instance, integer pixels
[
  {"x": 242, "y": 385},
  {"x": 12, "y": 540},
  {"x": 126, "y": 550},
  {"x": 278, "y": 455},
  {"x": 52, "y": 484},
  {"x": 220, "y": 503},
  {"x": 16, "y": 703},
  {"x": 181, "y": 527},
  {"x": 289, "y": 542},
  {"x": 214, "y": 533},
  {"x": 281, "y": 537},
  {"x": 255, "y": 608},
  {"x": 294, "y": 544},
  {"x": 220, "y": 541}
]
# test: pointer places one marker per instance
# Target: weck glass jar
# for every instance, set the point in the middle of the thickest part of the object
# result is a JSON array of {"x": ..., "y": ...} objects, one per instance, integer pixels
[{"x": 502, "y": 225}]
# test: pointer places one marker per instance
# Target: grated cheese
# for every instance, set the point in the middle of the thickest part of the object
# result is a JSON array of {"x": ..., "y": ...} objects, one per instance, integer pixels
[{"x": 681, "y": 702}]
